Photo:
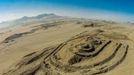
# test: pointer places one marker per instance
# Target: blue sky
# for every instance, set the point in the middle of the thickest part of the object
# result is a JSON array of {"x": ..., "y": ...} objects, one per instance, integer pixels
[{"x": 116, "y": 10}]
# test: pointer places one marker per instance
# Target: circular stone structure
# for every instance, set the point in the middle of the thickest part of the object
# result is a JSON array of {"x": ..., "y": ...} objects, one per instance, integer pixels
[{"x": 84, "y": 54}]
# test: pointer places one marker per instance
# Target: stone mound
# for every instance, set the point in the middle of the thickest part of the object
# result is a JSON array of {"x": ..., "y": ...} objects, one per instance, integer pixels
[{"x": 89, "y": 53}]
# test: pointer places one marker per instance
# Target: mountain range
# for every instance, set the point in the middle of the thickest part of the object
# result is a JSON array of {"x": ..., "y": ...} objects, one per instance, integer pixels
[{"x": 24, "y": 20}]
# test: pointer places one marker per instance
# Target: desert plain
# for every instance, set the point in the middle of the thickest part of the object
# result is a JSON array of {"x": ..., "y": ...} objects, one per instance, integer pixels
[{"x": 19, "y": 41}]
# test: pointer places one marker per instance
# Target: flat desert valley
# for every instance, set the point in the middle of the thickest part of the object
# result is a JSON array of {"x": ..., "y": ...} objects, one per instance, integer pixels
[{"x": 67, "y": 46}]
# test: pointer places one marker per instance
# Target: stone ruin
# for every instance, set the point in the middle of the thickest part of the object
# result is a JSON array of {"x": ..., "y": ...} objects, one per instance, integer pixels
[{"x": 84, "y": 54}]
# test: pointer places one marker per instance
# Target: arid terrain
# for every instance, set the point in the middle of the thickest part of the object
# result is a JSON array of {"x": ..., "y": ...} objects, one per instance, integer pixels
[{"x": 67, "y": 46}]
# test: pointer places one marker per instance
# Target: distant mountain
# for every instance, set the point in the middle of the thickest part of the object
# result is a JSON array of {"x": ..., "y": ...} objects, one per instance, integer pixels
[
  {"x": 25, "y": 19},
  {"x": 38, "y": 17}
]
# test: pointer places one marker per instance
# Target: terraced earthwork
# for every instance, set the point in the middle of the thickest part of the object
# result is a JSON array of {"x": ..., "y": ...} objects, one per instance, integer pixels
[{"x": 85, "y": 54}]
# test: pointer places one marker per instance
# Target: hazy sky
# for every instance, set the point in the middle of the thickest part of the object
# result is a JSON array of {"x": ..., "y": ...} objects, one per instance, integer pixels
[{"x": 116, "y": 10}]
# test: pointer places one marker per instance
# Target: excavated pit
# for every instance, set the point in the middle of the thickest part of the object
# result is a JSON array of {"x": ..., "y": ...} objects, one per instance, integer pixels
[{"x": 85, "y": 54}]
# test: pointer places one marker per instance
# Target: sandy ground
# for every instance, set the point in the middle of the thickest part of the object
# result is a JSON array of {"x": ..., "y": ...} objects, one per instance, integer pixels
[{"x": 13, "y": 51}]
